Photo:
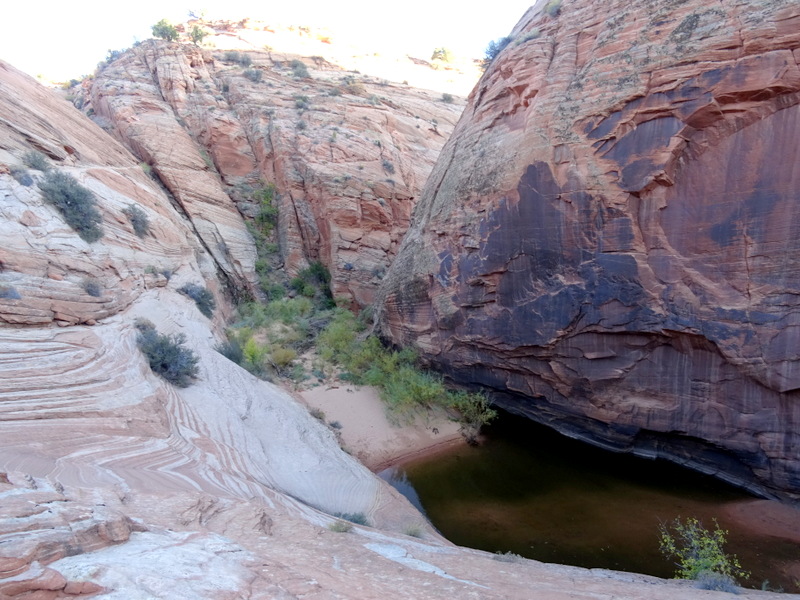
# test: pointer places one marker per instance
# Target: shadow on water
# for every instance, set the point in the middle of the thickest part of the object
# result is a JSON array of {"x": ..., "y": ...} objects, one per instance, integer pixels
[{"x": 533, "y": 492}]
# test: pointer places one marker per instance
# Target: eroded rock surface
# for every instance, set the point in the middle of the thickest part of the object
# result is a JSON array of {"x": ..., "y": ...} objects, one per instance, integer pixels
[
  {"x": 115, "y": 484},
  {"x": 609, "y": 239},
  {"x": 348, "y": 154}
]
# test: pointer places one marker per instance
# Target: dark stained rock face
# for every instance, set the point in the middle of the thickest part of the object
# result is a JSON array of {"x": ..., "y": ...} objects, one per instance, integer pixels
[{"x": 610, "y": 240}]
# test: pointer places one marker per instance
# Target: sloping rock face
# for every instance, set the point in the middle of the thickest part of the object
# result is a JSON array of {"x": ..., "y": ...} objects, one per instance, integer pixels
[
  {"x": 609, "y": 239},
  {"x": 348, "y": 154}
]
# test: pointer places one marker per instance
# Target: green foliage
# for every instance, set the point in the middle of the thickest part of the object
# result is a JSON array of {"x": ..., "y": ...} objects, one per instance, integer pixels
[
  {"x": 202, "y": 297},
  {"x": 232, "y": 350},
  {"x": 314, "y": 282},
  {"x": 405, "y": 388},
  {"x": 267, "y": 216},
  {"x": 92, "y": 287},
  {"x": 36, "y": 160},
  {"x": 414, "y": 531},
  {"x": 138, "y": 218},
  {"x": 493, "y": 49},
  {"x": 553, "y": 8},
  {"x": 388, "y": 166},
  {"x": 357, "y": 518},
  {"x": 76, "y": 204},
  {"x": 443, "y": 54},
  {"x": 340, "y": 526},
  {"x": 253, "y": 75},
  {"x": 238, "y": 57},
  {"x": 165, "y": 31},
  {"x": 508, "y": 557},
  {"x": 197, "y": 35},
  {"x": 167, "y": 355},
  {"x": 254, "y": 355},
  {"x": 301, "y": 102},
  {"x": 447, "y": 98},
  {"x": 9, "y": 292},
  {"x": 700, "y": 553},
  {"x": 299, "y": 69},
  {"x": 282, "y": 357}
]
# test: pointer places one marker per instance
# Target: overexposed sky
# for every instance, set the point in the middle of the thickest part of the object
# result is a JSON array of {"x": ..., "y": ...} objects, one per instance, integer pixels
[{"x": 62, "y": 40}]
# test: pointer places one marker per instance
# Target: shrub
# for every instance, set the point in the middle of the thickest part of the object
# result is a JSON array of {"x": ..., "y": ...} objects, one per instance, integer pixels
[
  {"x": 232, "y": 350},
  {"x": 202, "y": 297},
  {"x": 301, "y": 102},
  {"x": 196, "y": 34},
  {"x": 442, "y": 54},
  {"x": 36, "y": 160},
  {"x": 388, "y": 166},
  {"x": 232, "y": 56},
  {"x": 76, "y": 204},
  {"x": 493, "y": 49},
  {"x": 699, "y": 553},
  {"x": 139, "y": 220},
  {"x": 414, "y": 531},
  {"x": 553, "y": 7},
  {"x": 92, "y": 287},
  {"x": 22, "y": 176},
  {"x": 167, "y": 355},
  {"x": 357, "y": 518},
  {"x": 282, "y": 357},
  {"x": 9, "y": 292},
  {"x": 253, "y": 75},
  {"x": 254, "y": 354},
  {"x": 299, "y": 69},
  {"x": 301, "y": 125},
  {"x": 340, "y": 526},
  {"x": 245, "y": 60},
  {"x": 165, "y": 31},
  {"x": 447, "y": 98},
  {"x": 507, "y": 557},
  {"x": 716, "y": 581}
]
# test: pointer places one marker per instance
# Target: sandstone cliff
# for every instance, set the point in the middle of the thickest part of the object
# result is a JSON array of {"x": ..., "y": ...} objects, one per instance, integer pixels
[
  {"x": 114, "y": 484},
  {"x": 609, "y": 238},
  {"x": 347, "y": 153}
]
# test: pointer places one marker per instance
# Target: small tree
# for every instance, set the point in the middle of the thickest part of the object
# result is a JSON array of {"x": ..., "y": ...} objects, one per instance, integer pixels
[
  {"x": 197, "y": 35},
  {"x": 165, "y": 31},
  {"x": 699, "y": 553},
  {"x": 493, "y": 49}
]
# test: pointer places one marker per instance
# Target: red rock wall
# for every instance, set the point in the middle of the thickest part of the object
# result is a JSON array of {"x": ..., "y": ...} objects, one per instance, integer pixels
[
  {"x": 348, "y": 154},
  {"x": 609, "y": 238}
]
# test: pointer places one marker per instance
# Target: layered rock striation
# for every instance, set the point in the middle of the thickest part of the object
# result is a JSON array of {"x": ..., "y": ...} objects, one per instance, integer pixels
[
  {"x": 347, "y": 154},
  {"x": 608, "y": 241}
]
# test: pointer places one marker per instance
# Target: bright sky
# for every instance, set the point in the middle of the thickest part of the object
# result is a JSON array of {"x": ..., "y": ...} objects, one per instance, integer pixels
[{"x": 62, "y": 40}]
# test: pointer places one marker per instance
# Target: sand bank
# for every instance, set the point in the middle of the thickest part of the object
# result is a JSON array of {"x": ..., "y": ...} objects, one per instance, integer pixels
[{"x": 367, "y": 432}]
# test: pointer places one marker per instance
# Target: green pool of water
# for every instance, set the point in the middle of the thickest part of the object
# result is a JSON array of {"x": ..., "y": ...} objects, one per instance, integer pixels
[{"x": 533, "y": 492}]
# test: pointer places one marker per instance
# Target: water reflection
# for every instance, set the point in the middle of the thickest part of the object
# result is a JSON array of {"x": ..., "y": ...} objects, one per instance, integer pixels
[{"x": 531, "y": 491}]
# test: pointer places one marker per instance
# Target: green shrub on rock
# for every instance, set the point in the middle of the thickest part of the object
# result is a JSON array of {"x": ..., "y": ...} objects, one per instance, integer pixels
[
  {"x": 167, "y": 355},
  {"x": 700, "y": 554},
  {"x": 76, "y": 204},
  {"x": 139, "y": 220},
  {"x": 202, "y": 297}
]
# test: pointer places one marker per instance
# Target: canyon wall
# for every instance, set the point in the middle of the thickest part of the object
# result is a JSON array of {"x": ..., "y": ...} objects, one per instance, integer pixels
[
  {"x": 115, "y": 484},
  {"x": 347, "y": 153},
  {"x": 609, "y": 240}
]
